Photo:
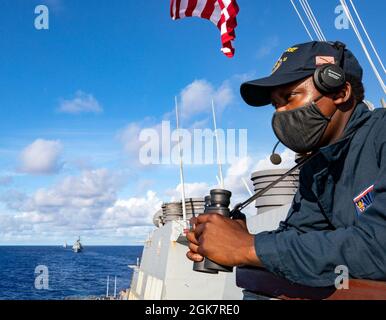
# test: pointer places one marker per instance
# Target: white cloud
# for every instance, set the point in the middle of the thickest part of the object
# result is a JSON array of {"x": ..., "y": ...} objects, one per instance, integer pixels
[
  {"x": 288, "y": 161},
  {"x": 196, "y": 98},
  {"x": 86, "y": 204},
  {"x": 81, "y": 103},
  {"x": 129, "y": 137},
  {"x": 239, "y": 169},
  {"x": 16, "y": 200},
  {"x": 245, "y": 167},
  {"x": 5, "y": 180},
  {"x": 131, "y": 212},
  {"x": 192, "y": 190},
  {"x": 90, "y": 193},
  {"x": 201, "y": 124},
  {"x": 33, "y": 218},
  {"x": 41, "y": 157}
]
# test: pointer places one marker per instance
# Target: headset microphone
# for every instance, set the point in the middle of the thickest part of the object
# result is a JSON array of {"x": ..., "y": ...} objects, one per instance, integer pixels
[{"x": 275, "y": 158}]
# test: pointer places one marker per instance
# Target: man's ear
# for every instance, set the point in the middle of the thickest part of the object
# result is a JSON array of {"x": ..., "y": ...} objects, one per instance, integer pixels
[{"x": 343, "y": 95}]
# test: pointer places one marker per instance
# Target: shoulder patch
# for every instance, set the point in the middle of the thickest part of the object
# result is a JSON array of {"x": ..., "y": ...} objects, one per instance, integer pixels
[{"x": 364, "y": 200}]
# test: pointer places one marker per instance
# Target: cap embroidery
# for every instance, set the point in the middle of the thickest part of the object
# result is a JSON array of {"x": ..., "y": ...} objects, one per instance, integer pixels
[
  {"x": 321, "y": 60},
  {"x": 292, "y": 49},
  {"x": 278, "y": 64}
]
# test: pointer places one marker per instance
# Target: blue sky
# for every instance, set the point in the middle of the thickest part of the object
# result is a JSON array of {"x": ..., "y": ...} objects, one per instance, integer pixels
[{"x": 64, "y": 173}]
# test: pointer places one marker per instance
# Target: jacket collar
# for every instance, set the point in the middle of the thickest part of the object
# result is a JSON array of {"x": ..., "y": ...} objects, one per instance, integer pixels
[{"x": 337, "y": 150}]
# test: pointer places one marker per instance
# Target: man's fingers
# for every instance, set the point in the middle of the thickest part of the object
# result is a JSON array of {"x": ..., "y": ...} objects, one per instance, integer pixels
[
  {"x": 191, "y": 237},
  {"x": 203, "y": 218},
  {"x": 241, "y": 223},
  {"x": 193, "y": 221},
  {"x": 199, "y": 230},
  {"x": 193, "y": 247},
  {"x": 194, "y": 256}
]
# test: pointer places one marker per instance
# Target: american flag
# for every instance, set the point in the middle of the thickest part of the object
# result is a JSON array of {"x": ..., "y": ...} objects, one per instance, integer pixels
[{"x": 221, "y": 12}]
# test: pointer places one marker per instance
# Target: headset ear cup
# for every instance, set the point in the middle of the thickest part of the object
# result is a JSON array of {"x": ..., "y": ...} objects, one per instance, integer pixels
[
  {"x": 318, "y": 81},
  {"x": 329, "y": 78}
]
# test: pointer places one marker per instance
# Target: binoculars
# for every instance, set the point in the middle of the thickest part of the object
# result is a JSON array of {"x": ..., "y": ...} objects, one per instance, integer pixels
[{"x": 218, "y": 202}]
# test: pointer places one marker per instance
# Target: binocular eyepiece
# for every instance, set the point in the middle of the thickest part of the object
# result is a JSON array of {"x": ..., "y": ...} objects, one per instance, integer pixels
[{"x": 218, "y": 202}]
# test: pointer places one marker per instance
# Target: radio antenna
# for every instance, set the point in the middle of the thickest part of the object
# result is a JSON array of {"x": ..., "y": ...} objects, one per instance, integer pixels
[
  {"x": 247, "y": 187},
  {"x": 217, "y": 148},
  {"x": 181, "y": 164}
]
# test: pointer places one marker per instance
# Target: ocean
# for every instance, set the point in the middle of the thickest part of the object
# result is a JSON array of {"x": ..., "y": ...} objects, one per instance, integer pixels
[{"x": 61, "y": 273}]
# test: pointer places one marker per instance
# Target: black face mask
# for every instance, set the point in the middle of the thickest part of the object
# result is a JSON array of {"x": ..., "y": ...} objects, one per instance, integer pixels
[{"x": 302, "y": 128}]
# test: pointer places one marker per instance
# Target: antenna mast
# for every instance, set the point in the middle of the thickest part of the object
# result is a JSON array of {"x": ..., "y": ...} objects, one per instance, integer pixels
[
  {"x": 181, "y": 164},
  {"x": 218, "y": 148},
  {"x": 115, "y": 287},
  {"x": 107, "y": 289},
  {"x": 247, "y": 187}
]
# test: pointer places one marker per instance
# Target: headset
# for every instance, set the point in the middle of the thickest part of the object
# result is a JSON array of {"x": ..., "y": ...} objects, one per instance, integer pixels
[{"x": 330, "y": 78}]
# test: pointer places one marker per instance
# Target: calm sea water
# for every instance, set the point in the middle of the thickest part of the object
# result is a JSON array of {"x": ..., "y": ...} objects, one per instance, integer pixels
[{"x": 69, "y": 274}]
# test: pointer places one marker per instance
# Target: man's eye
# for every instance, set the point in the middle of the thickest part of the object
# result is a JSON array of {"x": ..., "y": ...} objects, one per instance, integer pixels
[{"x": 291, "y": 95}]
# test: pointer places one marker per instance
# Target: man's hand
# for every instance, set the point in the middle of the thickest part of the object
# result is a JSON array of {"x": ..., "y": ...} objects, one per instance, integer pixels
[{"x": 223, "y": 240}]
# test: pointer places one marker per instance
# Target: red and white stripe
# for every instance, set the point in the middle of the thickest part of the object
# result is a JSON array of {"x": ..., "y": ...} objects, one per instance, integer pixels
[
  {"x": 221, "y": 12},
  {"x": 369, "y": 189}
]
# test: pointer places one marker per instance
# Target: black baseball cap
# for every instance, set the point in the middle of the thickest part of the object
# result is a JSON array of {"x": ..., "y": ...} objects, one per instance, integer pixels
[{"x": 299, "y": 62}]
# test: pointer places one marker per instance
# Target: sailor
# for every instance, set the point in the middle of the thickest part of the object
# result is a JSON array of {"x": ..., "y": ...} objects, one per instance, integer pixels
[{"x": 338, "y": 215}]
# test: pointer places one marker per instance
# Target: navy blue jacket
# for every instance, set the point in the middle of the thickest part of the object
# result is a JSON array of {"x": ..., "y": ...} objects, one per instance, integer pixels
[{"x": 338, "y": 216}]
